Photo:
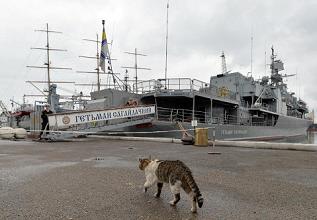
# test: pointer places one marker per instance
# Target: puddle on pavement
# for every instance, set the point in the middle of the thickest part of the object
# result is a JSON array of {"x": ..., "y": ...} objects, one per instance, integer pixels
[
  {"x": 15, "y": 143},
  {"x": 13, "y": 175},
  {"x": 111, "y": 162}
]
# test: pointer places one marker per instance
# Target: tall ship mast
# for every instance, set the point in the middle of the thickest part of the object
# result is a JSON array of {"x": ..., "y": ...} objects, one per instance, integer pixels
[{"x": 50, "y": 94}]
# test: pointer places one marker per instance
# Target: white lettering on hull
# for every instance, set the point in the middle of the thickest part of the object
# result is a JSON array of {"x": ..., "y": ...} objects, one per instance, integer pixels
[
  {"x": 234, "y": 132},
  {"x": 62, "y": 120}
]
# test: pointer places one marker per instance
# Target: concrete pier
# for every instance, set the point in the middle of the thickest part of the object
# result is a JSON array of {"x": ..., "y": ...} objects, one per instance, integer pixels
[
  {"x": 99, "y": 179},
  {"x": 243, "y": 144},
  {"x": 267, "y": 145}
]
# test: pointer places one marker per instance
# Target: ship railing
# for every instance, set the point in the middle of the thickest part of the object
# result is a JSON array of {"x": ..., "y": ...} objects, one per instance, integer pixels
[
  {"x": 184, "y": 84},
  {"x": 235, "y": 120},
  {"x": 265, "y": 106},
  {"x": 225, "y": 119},
  {"x": 187, "y": 115},
  {"x": 182, "y": 115}
]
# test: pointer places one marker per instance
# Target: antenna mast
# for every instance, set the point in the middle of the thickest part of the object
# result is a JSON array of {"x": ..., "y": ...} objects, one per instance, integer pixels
[
  {"x": 223, "y": 63},
  {"x": 136, "y": 54},
  {"x": 251, "y": 55},
  {"x": 265, "y": 63},
  {"x": 167, "y": 7}
]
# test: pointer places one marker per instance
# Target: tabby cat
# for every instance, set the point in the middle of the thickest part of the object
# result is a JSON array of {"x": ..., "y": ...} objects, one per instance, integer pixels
[{"x": 177, "y": 174}]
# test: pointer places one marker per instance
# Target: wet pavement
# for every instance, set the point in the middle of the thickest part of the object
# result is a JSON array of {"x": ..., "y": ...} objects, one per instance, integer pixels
[{"x": 99, "y": 179}]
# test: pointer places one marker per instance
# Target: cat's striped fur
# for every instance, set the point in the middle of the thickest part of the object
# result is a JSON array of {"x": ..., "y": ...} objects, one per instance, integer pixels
[{"x": 177, "y": 174}]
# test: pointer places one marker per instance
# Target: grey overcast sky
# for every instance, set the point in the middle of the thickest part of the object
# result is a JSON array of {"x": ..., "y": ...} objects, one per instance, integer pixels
[{"x": 198, "y": 32}]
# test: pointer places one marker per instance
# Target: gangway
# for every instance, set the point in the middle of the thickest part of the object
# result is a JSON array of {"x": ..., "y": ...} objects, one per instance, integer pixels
[
  {"x": 4, "y": 109},
  {"x": 5, "y": 118},
  {"x": 71, "y": 124},
  {"x": 187, "y": 138}
]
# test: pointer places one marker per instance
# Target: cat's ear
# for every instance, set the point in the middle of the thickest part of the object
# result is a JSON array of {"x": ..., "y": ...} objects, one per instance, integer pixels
[{"x": 140, "y": 159}]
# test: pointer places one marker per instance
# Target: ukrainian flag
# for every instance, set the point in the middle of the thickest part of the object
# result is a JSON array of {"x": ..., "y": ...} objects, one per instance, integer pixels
[{"x": 104, "y": 53}]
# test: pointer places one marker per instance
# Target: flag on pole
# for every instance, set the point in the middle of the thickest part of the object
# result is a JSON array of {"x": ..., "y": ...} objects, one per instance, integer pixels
[{"x": 104, "y": 53}]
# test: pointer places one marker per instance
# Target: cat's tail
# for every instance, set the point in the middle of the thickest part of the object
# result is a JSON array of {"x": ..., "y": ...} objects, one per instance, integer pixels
[
  {"x": 200, "y": 200},
  {"x": 193, "y": 185}
]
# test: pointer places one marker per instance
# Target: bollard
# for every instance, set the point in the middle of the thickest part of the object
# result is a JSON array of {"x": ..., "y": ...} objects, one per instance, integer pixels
[{"x": 201, "y": 137}]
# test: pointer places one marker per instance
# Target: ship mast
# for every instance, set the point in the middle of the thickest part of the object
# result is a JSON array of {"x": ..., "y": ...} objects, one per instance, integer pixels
[
  {"x": 48, "y": 66},
  {"x": 223, "y": 63},
  {"x": 97, "y": 70},
  {"x": 167, "y": 7},
  {"x": 251, "y": 56},
  {"x": 97, "y": 60},
  {"x": 277, "y": 66},
  {"x": 273, "y": 56},
  {"x": 136, "y": 67},
  {"x": 106, "y": 55}
]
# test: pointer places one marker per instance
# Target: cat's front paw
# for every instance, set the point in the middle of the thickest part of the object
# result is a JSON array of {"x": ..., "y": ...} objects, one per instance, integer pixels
[
  {"x": 157, "y": 195},
  {"x": 172, "y": 203}
]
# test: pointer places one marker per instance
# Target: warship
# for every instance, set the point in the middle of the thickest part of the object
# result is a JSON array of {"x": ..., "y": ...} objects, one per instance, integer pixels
[{"x": 231, "y": 106}]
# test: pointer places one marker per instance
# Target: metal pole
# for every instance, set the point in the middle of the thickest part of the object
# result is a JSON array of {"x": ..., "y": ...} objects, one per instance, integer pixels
[
  {"x": 193, "y": 115},
  {"x": 211, "y": 120},
  {"x": 251, "y": 55},
  {"x": 193, "y": 112},
  {"x": 213, "y": 137},
  {"x": 48, "y": 59},
  {"x": 136, "y": 70},
  {"x": 213, "y": 142},
  {"x": 156, "y": 107},
  {"x": 167, "y": 7},
  {"x": 98, "y": 74}
]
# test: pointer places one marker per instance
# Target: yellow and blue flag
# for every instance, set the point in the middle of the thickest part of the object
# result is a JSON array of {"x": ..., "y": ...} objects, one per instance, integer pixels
[{"x": 104, "y": 53}]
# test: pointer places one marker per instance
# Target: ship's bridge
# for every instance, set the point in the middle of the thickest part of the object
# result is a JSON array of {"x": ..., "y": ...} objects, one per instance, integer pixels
[{"x": 185, "y": 94}]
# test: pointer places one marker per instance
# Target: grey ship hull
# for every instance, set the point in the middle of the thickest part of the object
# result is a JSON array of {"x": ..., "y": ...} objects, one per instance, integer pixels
[
  {"x": 164, "y": 121},
  {"x": 285, "y": 127}
]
